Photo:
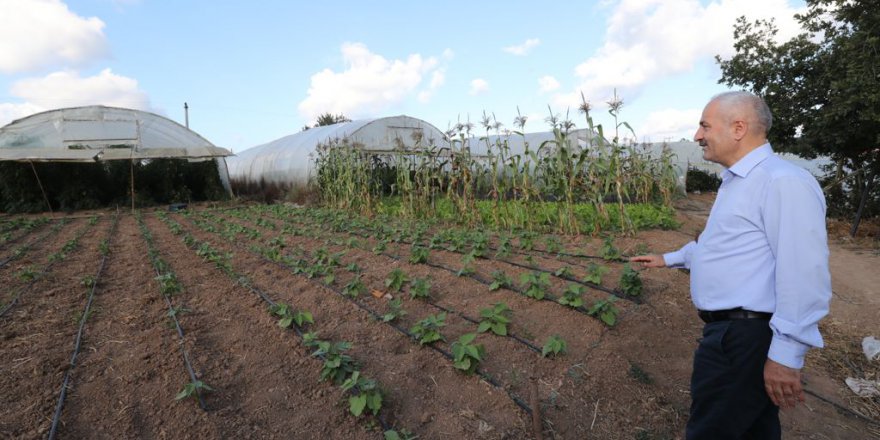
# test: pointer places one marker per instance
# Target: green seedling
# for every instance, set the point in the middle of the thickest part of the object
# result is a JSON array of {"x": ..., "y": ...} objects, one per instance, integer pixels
[
  {"x": 355, "y": 287},
  {"x": 504, "y": 248},
  {"x": 395, "y": 310},
  {"x": 88, "y": 281},
  {"x": 467, "y": 264},
  {"x": 418, "y": 254},
  {"x": 499, "y": 280},
  {"x": 337, "y": 366},
  {"x": 354, "y": 268},
  {"x": 380, "y": 247},
  {"x": 552, "y": 244},
  {"x": 428, "y": 329},
  {"x": 168, "y": 284},
  {"x": 564, "y": 272},
  {"x": 402, "y": 435},
  {"x": 572, "y": 296},
  {"x": 630, "y": 282},
  {"x": 605, "y": 310},
  {"x": 467, "y": 356},
  {"x": 27, "y": 274},
  {"x": 535, "y": 284},
  {"x": 104, "y": 247},
  {"x": 420, "y": 289},
  {"x": 287, "y": 316},
  {"x": 554, "y": 346},
  {"x": 192, "y": 389},
  {"x": 366, "y": 394},
  {"x": 396, "y": 279},
  {"x": 608, "y": 251},
  {"x": 595, "y": 272},
  {"x": 310, "y": 339},
  {"x": 495, "y": 319}
]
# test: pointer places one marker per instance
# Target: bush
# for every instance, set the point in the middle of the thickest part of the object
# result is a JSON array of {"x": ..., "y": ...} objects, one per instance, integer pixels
[
  {"x": 73, "y": 186},
  {"x": 699, "y": 180}
]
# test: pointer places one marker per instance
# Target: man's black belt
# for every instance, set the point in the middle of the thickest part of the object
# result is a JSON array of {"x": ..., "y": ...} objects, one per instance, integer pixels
[{"x": 726, "y": 315}]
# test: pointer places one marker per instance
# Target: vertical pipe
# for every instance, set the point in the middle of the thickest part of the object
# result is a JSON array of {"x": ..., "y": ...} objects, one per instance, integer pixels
[{"x": 186, "y": 113}]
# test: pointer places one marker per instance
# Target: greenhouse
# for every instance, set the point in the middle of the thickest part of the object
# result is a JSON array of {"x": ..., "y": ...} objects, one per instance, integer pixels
[
  {"x": 72, "y": 148},
  {"x": 289, "y": 161}
]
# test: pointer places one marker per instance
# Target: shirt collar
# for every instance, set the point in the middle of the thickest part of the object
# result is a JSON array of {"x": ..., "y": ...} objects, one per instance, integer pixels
[{"x": 744, "y": 166}]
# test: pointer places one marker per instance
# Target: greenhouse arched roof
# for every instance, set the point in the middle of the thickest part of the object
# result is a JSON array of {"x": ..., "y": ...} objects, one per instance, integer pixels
[{"x": 93, "y": 133}]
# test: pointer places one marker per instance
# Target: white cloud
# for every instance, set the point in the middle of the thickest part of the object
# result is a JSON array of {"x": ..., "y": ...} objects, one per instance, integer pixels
[
  {"x": 36, "y": 34},
  {"x": 670, "y": 125},
  {"x": 547, "y": 83},
  {"x": 479, "y": 86},
  {"x": 438, "y": 78},
  {"x": 448, "y": 54},
  {"x": 10, "y": 112},
  {"x": 368, "y": 84},
  {"x": 69, "y": 89},
  {"x": 651, "y": 39},
  {"x": 523, "y": 49}
]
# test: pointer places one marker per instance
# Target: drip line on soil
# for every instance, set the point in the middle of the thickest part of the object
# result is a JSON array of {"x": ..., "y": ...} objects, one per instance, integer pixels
[
  {"x": 485, "y": 376},
  {"x": 189, "y": 369},
  {"x": 462, "y": 315},
  {"x": 40, "y": 274},
  {"x": 27, "y": 232},
  {"x": 247, "y": 283},
  {"x": 56, "y": 418},
  {"x": 19, "y": 252}
]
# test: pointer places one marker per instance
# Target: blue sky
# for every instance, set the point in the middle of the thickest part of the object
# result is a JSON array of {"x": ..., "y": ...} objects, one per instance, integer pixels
[{"x": 256, "y": 71}]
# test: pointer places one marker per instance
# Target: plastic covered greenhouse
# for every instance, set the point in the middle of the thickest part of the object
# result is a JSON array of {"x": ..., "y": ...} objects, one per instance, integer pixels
[{"x": 289, "y": 161}]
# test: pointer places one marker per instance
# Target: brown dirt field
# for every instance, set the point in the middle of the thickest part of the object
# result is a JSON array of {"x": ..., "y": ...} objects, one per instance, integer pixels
[{"x": 626, "y": 381}]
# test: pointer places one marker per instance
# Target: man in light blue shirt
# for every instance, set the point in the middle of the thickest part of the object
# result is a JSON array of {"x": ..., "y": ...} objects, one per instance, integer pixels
[{"x": 759, "y": 276}]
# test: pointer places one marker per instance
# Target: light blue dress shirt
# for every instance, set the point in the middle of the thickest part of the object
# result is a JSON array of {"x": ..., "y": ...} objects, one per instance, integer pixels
[{"x": 765, "y": 249}]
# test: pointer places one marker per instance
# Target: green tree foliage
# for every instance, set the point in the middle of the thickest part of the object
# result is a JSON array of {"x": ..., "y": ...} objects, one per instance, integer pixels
[
  {"x": 327, "y": 119},
  {"x": 823, "y": 87}
]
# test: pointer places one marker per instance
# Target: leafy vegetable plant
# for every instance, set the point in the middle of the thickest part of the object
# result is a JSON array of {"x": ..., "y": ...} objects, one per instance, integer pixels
[
  {"x": 595, "y": 273},
  {"x": 420, "y": 289},
  {"x": 499, "y": 280},
  {"x": 337, "y": 365},
  {"x": 572, "y": 296},
  {"x": 367, "y": 394},
  {"x": 395, "y": 310},
  {"x": 605, "y": 310},
  {"x": 467, "y": 356},
  {"x": 287, "y": 316},
  {"x": 535, "y": 284},
  {"x": 630, "y": 282},
  {"x": 554, "y": 346},
  {"x": 418, "y": 254},
  {"x": 495, "y": 319},
  {"x": 396, "y": 279},
  {"x": 428, "y": 329},
  {"x": 355, "y": 287},
  {"x": 190, "y": 390}
]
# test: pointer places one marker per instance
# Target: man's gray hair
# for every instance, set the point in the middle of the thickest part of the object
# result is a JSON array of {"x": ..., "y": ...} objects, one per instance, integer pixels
[{"x": 744, "y": 99}]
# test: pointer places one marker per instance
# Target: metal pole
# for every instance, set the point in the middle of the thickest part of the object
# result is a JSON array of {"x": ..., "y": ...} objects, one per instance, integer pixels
[
  {"x": 186, "y": 113},
  {"x": 40, "y": 184}
]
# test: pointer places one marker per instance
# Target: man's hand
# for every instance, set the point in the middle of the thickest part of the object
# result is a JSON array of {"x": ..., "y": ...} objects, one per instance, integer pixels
[
  {"x": 783, "y": 384},
  {"x": 649, "y": 260}
]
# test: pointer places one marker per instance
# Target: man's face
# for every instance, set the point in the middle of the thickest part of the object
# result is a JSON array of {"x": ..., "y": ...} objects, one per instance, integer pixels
[{"x": 715, "y": 136}]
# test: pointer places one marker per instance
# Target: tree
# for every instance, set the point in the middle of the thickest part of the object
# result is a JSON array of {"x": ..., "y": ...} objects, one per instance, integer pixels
[
  {"x": 823, "y": 87},
  {"x": 328, "y": 119}
]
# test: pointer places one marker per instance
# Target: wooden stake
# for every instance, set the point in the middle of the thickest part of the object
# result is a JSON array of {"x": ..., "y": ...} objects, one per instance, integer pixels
[
  {"x": 131, "y": 169},
  {"x": 40, "y": 184}
]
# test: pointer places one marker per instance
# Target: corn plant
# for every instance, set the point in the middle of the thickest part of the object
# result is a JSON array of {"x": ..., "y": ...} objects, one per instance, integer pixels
[
  {"x": 535, "y": 284},
  {"x": 495, "y": 319},
  {"x": 554, "y": 346},
  {"x": 467, "y": 356},
  {"x": 366, "y": 394},
  {"x": 428, "y": 330}
]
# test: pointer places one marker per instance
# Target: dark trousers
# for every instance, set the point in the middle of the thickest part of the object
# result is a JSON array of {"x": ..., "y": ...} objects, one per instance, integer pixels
[{"x": 727, "y": 385}]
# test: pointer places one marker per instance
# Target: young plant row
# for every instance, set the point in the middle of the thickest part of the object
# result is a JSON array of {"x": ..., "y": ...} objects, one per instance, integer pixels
[
  {"x": 388, "y": 318},
  {"x": 535, "y": 284},
  {"x": 30, "y": 275},
  {"x": 170, "y": 286},
  {"x": 23, "y": 249},
  {"x": 91, "y": 284},
  {"x": 27, "y": 225},
  {"x": 365, "y": 394}
]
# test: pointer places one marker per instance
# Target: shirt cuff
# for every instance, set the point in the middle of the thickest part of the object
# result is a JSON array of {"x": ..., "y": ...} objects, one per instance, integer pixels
[
  {"x": 674, "y": 259},
  {"x": 787, "y": 352}
]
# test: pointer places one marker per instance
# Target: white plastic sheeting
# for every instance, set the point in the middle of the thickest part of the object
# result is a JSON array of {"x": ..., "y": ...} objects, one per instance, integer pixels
[
  {"x": 96, "y": 133},
  {"x": 290, "y": 161},
  {"x": 691, "y": 154}
]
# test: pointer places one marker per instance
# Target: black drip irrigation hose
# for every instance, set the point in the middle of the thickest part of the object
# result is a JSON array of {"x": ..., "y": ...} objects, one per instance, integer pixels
[
  {"x": 19, "y": 252},
  {"x": 247, "y": 283},
  {"x": 56, "y": 418},
  {"x": 38, "y": 276},
  {"x": 186, "y": 362},
  {"x": 842, "y": 408},
  {"x": 27, "y": 232},
  {"x": 462, "y": 315},
  {"x": 484, "y": 375}
]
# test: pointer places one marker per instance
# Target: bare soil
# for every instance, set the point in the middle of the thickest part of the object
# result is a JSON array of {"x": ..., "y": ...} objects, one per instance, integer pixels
[{"x": 626, "y": 381}]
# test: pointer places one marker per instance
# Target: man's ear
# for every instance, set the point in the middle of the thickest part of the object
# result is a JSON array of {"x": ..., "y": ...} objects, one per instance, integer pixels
[{"x": 740, "y": 129}]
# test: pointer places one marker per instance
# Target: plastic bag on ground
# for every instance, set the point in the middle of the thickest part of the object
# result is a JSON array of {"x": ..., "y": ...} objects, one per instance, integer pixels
[
  {"x": 871, "y": 348},
  {"x": 863, "y": 387}
]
